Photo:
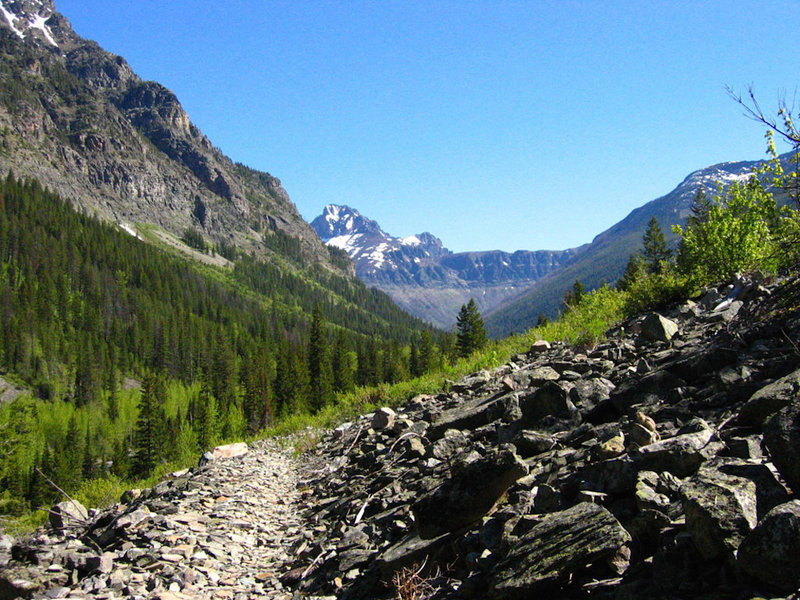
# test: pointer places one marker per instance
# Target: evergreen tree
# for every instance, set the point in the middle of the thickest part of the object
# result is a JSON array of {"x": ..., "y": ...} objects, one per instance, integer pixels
[
  {"x": 426, "y": 352},
  {"x": 634, "y": 271},
  {"x": 257, "y": 394},
  {"x": 206, "y": 425},
  {"x": 701, "y": 207},
  {"x": 70, "y": 458},
  {"x": 471, "y": 332},
  {"x": 283, "y": 386},
  {"x": 656, "y": 254},
  {"x": 223, "y": 373},
  {"x": 413, "y": 360},
  {"x": 574, "y": 295},
  {"x": 319, "y": 365},
  {"x": 149, "y": 439},
  {"x": 343, "y": 368}
]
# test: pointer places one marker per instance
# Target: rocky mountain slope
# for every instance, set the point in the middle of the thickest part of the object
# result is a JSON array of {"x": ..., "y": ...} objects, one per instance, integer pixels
[
  {"x": 423, "y": 276},
  {"x": 604, "y": 259},
  {"x": 78, "y": 119},
  {"x": 662, "y": 463}
]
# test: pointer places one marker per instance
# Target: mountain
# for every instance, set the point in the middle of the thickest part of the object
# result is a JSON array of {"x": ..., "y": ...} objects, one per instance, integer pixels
[
  {"x": 80, "y": 121},
  {"x": 78, "y": 125},
  {"x": 605, "y": 258},
  {"x": 423, "y": 276}
]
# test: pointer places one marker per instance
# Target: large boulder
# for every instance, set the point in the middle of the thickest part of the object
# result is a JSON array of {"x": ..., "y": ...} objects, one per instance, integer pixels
[
  {"x": 770, "y": 399},
  {"x": 68, "y": 514},
  {"x": 771, "y": 552},
  {"x": 658, "y": 328},
  {"x": 720, "y": 509},
  {"x": 782, "y": 440},
  {"x": 472, "y": 490},
  {"x": 560, "y": 544},
  {"x": 550, "y": 400}
]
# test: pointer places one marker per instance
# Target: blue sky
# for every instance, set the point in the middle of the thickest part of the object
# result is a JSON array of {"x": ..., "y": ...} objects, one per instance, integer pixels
[{"x": 494, "y": 125}]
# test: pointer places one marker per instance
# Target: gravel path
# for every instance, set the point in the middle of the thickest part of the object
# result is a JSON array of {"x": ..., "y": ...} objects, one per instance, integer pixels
[{"x": 227, "y": 531}]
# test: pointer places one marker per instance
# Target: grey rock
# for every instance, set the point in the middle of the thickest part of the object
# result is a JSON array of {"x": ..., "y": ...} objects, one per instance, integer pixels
[
  {"x": 658, "y": 328},
  {"x": 453, "y": 442},
  {"x": 68, "y": 514},
  {"x": 468, "y": 494},
  {"x": 531, "y": 443},
  {"x": 547, "y": 499},
  {"x": 681, "y": 455},
  {"x": 721, "y": 509},
  {"x": 782, "y": 440},
  {"x": 550, "y": 400},
  {"x": 771, "y": 552},
  {"x": 770, "y": 399},
  {"x": 562, "y": 543},
  {"x": 383, "y": 418}
]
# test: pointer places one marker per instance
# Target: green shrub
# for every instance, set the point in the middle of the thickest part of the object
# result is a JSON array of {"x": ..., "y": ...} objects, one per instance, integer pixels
[{"x": 655, "y": 290}]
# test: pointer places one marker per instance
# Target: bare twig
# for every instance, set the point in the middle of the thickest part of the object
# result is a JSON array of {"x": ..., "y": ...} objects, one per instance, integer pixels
[
  {"x": 355, "y": 439},
  {"x": 313, "y": 564},
  {"x": 753, "y": 111},
  {"x": 74, "y": 502}
]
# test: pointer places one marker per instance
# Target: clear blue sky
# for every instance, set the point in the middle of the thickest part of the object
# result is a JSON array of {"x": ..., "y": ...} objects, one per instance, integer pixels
[{"x": 493, "y": 124}]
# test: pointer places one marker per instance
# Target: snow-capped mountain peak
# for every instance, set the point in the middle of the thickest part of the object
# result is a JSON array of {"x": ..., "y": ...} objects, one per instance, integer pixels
[
  {"x": 370, "y": 247},
  {"x": 421, "y": 274}
]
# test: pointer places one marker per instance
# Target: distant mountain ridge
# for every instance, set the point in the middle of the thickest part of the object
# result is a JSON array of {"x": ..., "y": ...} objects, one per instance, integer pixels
[
  {"x": 424, "y": 277},
  {"x": 605, "y": 258}
]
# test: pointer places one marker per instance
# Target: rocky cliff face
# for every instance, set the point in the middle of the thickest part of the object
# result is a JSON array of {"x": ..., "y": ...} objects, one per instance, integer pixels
[
  {"x": 423, "y": 276},
  {"x": 82, "y": 122},
  {"x": 662, "y": 463}
]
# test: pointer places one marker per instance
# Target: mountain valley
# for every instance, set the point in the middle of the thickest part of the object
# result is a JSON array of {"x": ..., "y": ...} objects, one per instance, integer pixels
[
  {"x": 425, "y": 278},
  {"x": 204, "y": 396}
]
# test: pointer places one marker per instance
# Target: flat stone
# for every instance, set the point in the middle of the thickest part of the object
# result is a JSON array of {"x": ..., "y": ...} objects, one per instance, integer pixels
[
  {"x": 469, "y": 493},
  {"x": 230, "y": 450},
  {"x": 562, "y": 543},
  {"x": 681, "y": 455}
]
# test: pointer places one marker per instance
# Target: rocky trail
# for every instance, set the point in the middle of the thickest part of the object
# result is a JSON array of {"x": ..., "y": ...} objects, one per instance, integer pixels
[
  {"x": 661, "y": 463},
  {"x": 222, "y": 531}
]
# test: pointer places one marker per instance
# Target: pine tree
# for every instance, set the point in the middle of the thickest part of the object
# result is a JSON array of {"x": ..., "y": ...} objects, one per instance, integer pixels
[
  {"x": 574, "y": 295},
  {"x": 426, "y": 352},
  {"x": 656, "y": 254},
  {"x": 149, "y": 439},
  {"x": 471, "y": 332},
  {"x": 283, "y": 389},
  {"x": 257, "y": 394},
  {"x": 205, "y": 424},
  {"x": 701, "y": 206},
  {"x": 319, "y": 365},
  {"x": 634, "y": 271},
  {"x": 343, "y": 371}
]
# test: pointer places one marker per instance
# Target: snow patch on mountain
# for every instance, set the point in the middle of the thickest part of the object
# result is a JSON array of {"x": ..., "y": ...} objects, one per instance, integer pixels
[
  {"x": 348, "y": 243},
  {"x": 20, "y": 24}
]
